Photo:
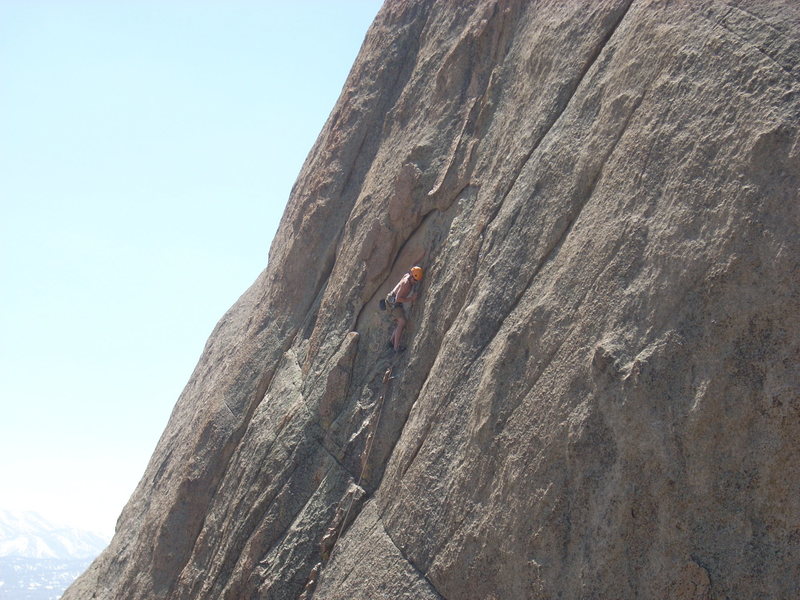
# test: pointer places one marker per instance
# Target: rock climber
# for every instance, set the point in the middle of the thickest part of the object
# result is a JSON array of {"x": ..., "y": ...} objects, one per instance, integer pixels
[{"x": 402, "y": 292}]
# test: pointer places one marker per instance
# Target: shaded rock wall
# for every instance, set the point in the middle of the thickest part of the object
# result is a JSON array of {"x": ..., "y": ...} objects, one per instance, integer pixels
[{"x": 600, "y": 398}]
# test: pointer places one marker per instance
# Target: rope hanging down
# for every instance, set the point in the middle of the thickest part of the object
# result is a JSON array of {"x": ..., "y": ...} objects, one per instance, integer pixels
[
  {"x": 387, "y": 378},
  {"x": 325, "y": 544}
]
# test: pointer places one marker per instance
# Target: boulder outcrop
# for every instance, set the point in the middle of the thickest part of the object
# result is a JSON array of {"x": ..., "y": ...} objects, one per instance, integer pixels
[{"x": 601, "y": 392}]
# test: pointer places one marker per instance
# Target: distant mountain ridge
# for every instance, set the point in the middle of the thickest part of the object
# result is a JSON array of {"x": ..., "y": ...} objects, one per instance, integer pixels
[{"x": 26, "y": 534}]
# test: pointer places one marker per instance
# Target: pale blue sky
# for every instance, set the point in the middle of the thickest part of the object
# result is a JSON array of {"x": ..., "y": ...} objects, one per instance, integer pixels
[{"x": 147, "y": 149}]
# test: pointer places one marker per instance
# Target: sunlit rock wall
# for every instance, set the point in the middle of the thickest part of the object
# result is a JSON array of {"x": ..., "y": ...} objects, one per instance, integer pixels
[{"x": 600, "y": 396}]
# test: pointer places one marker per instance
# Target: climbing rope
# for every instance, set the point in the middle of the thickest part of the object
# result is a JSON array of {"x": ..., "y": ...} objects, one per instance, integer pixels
[
  {"x": 308, "y": 591},
  {"x": 387, "y": 378}
]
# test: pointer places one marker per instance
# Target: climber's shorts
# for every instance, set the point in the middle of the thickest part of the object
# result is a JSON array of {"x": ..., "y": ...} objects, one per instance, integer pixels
[{"x": 397, "y": 311}]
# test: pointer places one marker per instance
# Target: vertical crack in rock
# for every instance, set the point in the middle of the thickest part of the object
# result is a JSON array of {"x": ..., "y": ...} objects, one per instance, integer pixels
[
  {"x": 586, "y": 196},
  {"x": 570, "y": 94},
  {"x": 735, "y": 27}
]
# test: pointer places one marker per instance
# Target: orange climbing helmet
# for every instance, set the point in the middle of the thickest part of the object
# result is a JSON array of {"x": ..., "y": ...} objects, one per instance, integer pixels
[{"x": 416, "y": 273}]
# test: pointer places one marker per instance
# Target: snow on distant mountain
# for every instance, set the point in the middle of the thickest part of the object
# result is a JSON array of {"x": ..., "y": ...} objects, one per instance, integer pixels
[{"x": 28, "y": 535}]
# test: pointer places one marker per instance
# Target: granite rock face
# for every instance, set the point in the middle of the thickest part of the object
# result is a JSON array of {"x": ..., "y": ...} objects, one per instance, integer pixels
[{"x": 601, "y": 392}]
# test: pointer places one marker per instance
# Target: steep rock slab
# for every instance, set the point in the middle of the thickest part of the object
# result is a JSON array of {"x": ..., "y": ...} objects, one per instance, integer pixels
[
  {"x": 369, "y": 565},
  {"x": 659, "y": 262},
  {"x": 600, "y": 395}
]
